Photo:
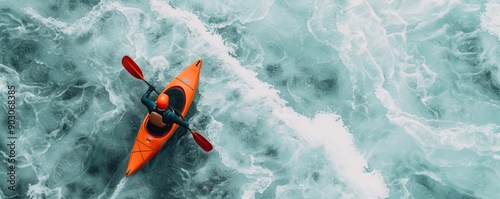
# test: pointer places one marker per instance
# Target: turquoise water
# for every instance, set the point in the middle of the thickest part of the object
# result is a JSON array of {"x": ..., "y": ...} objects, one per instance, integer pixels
[{"x": 301, "y": 99}]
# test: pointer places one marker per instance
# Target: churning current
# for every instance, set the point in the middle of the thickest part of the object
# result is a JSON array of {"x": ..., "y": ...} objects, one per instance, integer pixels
[{"x": 301, "y": 99}]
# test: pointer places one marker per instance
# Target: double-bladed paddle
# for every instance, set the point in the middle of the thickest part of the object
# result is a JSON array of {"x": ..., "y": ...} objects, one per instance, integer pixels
[{"x": 130, "y": 65}]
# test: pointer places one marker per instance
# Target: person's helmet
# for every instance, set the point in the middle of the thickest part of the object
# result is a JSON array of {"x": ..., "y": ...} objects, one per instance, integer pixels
[{"x": 162, "y": 101}]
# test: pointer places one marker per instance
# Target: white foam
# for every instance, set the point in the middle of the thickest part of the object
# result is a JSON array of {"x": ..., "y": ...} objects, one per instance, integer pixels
[
  {"x": 374, "y": 63},
  {"x": 9, "y": 76},
  {"x": 448, "y": 135},
  {"x": 229, "y": 11},
  {"x": 349, "y": 164},
  {"x": 134, "y": 34},
  {"x": 119, "y": 188},
  {"x": 160, "y": 64},
  {"x": 489, "y": 19},
  {"x": 82, "y": 25},
  {"x": 324, "y": 130},
  {"x": 40, "y": 190}
]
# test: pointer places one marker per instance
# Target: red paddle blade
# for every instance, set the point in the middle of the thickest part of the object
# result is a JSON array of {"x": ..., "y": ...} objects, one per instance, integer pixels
[
  {"x": 202, "y": 142},
  {"x": 129, "y": 64}
]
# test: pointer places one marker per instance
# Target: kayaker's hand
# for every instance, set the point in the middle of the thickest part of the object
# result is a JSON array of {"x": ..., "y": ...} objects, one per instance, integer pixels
[{"x": 151, "y": 88}]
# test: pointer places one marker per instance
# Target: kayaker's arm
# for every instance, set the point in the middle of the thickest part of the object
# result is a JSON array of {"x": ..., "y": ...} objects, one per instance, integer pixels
[
  {"x": 177, "y": 113},
  {"x": 172, "y": 117},
  {"x": 150, "y": 104}
]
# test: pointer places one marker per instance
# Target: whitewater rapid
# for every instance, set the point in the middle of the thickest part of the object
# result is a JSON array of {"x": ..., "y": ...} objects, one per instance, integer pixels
[{"x": 312, "y": 99}]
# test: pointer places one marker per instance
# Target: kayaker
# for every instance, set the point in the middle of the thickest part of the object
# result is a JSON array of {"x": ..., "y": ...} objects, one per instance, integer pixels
[{"x": 160, "y": 114}]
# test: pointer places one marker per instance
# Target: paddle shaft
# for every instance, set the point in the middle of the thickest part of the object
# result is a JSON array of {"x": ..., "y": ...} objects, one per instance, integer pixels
[{"x": 150, "y": 86}]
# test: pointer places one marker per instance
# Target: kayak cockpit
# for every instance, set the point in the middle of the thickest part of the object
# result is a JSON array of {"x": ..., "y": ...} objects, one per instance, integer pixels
[{"x": 177, "y": 101}]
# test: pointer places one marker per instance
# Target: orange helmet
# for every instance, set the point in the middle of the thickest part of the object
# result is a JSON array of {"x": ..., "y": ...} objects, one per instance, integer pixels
[{"x": 162, "y": 101}]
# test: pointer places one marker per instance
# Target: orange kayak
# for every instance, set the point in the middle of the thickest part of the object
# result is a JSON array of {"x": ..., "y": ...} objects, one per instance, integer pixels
[{"x": 181, "y": 91}]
